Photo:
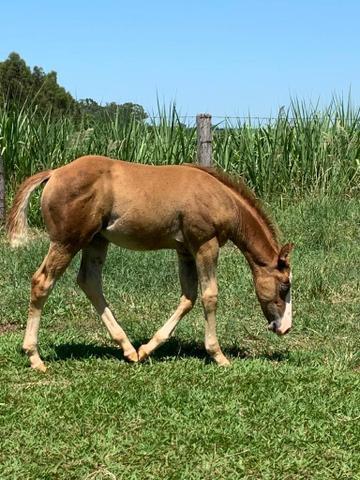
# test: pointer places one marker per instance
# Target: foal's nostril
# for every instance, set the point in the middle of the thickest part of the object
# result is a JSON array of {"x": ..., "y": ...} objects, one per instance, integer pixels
[
  {"x": 280, "y": 333},
  {"x": 272, "y": 326}
]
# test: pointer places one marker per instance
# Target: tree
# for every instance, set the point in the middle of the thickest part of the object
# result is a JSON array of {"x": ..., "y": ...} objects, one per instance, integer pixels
[
  {"x": 15, "y": 79},
  {"x": 18, "y": 85},
  {"x": 128, "y": 111},
  {"x": 51, "y": 96},
  {"x": 124, "y": 112},
  {"x": 90, "y": 109}
]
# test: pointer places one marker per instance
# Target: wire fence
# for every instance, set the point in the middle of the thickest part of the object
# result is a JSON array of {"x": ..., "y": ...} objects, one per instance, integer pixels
[
  {"x": 219, "y": 120},
  {"x": 226, "y": 120},
  {"x": 231, "y": 121}
]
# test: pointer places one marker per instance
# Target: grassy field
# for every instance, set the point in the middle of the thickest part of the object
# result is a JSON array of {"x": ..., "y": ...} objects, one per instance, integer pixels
[{"x": 287, "y": 408}]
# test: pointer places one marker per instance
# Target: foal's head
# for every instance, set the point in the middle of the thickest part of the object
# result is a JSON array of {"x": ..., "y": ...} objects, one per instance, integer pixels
[{"x": 273, "y": 289}]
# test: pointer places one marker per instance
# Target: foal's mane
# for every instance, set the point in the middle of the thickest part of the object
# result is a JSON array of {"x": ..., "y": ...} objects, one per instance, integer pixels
[{"x": 237, "y": 185}]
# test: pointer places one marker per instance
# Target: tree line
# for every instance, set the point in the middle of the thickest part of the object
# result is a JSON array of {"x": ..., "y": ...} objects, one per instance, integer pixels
[{"x": 20, "y": 85}]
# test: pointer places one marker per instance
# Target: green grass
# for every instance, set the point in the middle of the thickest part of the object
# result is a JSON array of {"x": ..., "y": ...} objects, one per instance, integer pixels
[{"x": 287, "y": 408}]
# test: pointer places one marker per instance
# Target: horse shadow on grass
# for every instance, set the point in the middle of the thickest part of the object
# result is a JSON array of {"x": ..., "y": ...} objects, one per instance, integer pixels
[{"x": 172, "y": 349}]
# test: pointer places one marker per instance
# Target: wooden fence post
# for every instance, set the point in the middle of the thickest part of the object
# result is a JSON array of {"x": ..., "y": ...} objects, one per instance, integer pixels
[
  {"x": 204, "y": 138},
  {"x": 2, "y": 191}
]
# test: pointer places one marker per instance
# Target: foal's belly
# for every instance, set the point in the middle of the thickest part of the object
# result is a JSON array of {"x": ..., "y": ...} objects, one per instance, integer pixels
[
  {"x": 136, "y": 235},
  {"x": 137, "y": 243}
]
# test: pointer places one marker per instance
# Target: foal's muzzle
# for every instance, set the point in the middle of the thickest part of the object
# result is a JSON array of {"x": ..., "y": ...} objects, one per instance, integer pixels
[{"x": 275, "y": 327}]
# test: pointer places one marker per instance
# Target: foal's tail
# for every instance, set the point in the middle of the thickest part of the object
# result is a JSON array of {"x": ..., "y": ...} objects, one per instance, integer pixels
[{"x": 16, "y": 224}]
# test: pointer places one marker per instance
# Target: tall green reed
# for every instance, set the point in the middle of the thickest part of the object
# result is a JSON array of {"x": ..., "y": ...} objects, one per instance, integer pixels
[{"x": 304, "y": 150}]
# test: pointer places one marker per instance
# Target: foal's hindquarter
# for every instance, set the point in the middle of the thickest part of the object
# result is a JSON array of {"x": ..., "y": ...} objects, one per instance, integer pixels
[{"x": 94, "y": 200}]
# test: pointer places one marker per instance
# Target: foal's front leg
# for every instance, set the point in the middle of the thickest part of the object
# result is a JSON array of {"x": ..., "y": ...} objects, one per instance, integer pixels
[
  {"x": 189, "y": 286},
  {"x": 206, "y": 262}
]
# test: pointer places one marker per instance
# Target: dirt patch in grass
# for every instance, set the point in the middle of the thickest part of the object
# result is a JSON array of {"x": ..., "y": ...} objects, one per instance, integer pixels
[{"x": 8, "y": 327}]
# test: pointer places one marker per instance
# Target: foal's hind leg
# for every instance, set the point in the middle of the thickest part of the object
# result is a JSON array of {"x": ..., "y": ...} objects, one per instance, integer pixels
[
  {"x": 189, "y": 285},
  {"x": 89, "y": 279},
  {"x": 43, "y": 280}
]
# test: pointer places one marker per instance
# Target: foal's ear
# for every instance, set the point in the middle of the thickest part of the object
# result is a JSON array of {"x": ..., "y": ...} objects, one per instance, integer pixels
[{"x": 283, "y": 261}]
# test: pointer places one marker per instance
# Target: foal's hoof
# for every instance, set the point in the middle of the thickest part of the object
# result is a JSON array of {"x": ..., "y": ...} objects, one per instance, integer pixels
[
  {"x": 222, "y": 361},
  {"x": 142, "y": 353},
  {"x": 132, "y": 356},
  {"x": 39, "y": 367}
]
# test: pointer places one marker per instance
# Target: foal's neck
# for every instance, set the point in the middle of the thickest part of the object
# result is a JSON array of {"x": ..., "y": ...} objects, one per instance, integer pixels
[{"x": 253, "y": 236}]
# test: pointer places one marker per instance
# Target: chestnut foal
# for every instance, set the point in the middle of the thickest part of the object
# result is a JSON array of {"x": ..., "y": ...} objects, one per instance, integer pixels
[{"x": 95, "y": 200}]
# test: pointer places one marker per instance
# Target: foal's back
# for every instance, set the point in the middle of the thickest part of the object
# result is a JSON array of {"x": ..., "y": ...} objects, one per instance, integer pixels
[{"x": 133, "y": 205}]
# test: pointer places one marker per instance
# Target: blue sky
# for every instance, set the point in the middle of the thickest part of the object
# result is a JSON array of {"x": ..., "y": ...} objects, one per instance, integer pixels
[{"x": 224, "y": 57}]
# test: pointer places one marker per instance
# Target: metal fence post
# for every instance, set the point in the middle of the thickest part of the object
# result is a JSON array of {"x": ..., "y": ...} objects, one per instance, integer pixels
[{"x": 204, "y": 139}]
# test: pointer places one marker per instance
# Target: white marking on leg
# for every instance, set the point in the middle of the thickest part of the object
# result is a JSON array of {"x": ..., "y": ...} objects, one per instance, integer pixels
[
  {"x": 165, "y": 332},
  {"x": 31, "y": 340},
  {"x": 117, "y": 333}
]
